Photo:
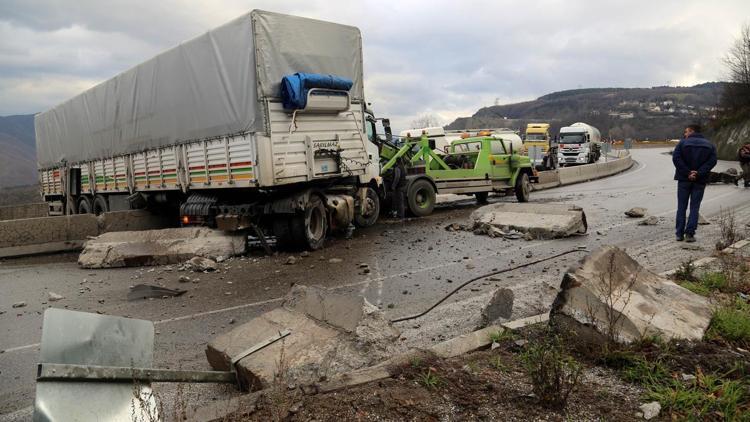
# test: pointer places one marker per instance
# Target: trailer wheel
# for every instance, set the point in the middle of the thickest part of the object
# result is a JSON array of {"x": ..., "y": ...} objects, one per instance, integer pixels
[
  {"x": 309, "y": 229},
  {"x": 84, "y": 205},
  {"x": 523, "y": 187},
  {"x": 371, "y": 210},
  {"x": 283, "y": 232},
  {"x": 421, "y": 198},
  {"x": 100, "y": 205},
  {"x": 481, "y": 197}
]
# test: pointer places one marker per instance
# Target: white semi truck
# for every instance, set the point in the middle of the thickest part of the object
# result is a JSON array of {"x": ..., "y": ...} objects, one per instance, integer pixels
[
  {"x": 579, "y": 143},
  {"x": 200, "y": 131}
]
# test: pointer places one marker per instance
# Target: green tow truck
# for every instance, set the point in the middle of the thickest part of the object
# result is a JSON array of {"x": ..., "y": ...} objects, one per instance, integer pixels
[{"x": 477, "y": 165}]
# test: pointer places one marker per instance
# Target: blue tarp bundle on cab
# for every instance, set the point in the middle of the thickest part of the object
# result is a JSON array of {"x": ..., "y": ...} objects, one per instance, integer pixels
[{"x": 294, "y": 88}]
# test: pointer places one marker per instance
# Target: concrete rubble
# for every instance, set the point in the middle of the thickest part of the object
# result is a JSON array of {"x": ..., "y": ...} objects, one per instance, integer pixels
[
  {"x": 649, "y": 221},
  {"x": 160, "y": 247},
  {"x": 525, "y": 221},
  {"x": 636, "y": 212},
  {"x": 610, "y": 296},
  {"x": 330, "y": 334}
]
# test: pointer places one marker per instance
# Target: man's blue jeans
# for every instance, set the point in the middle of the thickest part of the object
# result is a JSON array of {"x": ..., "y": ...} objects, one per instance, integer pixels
[{"x": 688, "y": 192}]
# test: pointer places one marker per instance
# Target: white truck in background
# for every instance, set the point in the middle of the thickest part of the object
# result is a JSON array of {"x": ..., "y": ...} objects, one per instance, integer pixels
[
  {"x": 579, "y": 143},
  {"x": 200, "y": 132}
]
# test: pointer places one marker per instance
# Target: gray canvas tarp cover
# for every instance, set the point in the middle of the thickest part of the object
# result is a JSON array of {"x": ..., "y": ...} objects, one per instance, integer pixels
[{"x": 210, "y": 86}]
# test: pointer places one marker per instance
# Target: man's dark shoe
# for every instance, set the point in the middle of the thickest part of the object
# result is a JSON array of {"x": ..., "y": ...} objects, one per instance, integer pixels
[
  {"x": 689, "y": 238},
  {"x": 679, "y": 238}
]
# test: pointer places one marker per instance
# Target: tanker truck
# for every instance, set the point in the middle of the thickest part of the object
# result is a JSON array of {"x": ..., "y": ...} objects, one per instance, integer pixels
[
  {"x": 579, "y": 143},
  {"x": 203, "y": 131}
]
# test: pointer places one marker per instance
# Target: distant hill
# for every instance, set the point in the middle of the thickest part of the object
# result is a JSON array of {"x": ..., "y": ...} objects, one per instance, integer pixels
[
  {"x": 17, "y": 151},
  {"x": 641, "y": 113}
]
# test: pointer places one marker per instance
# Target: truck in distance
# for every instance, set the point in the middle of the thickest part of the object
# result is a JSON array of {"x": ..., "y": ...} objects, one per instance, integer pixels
[
  {"x": 579, "y": 143},
  {"x": 540, "y": 147}
]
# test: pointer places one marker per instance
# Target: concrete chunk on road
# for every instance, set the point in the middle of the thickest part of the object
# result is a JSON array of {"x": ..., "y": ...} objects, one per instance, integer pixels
[
  {"x": 330, "y": 334},
  {"x": 539, "y": 221},
  {"x": 609, "y": 296},
  {"x": 159, "y": 247}
]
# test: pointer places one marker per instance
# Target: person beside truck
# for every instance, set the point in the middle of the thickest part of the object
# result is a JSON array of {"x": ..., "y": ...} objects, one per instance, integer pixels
[
  {"x": 743, "y": 156},
  {"x": 693, "y": 158}
]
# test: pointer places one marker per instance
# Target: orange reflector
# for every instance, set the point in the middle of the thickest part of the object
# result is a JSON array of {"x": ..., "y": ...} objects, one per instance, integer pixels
[{"x": 185, "y": 219}]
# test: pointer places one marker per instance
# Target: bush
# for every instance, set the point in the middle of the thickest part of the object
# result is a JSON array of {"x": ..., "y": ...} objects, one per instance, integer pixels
[{"x": 554, "y": 374}]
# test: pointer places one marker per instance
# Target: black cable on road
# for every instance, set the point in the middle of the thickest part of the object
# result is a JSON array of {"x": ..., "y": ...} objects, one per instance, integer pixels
[{"x": 466, "y": 283}]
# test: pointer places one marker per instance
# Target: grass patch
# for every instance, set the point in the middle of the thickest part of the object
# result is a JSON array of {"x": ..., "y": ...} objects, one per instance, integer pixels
[
  {"x": 429, "y": 378},
  {"x": 731, "y": 322},
  {"x": 708, "y": 397},
  {"x": 500, "y": 336},
  {"x": 696, "y": 287},
  {"x": 715, "y": 281}
]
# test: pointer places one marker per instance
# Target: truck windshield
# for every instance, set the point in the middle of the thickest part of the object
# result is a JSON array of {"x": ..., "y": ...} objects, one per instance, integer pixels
[
  {"x": 536, "y": 137},
  {"x": 571, "y": 138}
]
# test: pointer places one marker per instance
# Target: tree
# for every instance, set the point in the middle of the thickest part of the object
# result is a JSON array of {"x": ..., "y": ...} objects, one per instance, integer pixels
[
  {"x": 425, "y": 120},
  {"x": 736, "y": 96}
]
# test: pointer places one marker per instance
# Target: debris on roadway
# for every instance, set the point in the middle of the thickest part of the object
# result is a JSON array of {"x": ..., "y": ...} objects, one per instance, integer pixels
[
  {"x": 330, "y": 334},
  {"x": 159, "y": 247},
  {"x": 649, "y": 221},
  {"x": 610, "y": 296},
  {"x": 636, "y": 212},
  {"x": 200, "y": 264},
  {"x": 146, "y": 291},
  {"x": 526, "y": 220}
]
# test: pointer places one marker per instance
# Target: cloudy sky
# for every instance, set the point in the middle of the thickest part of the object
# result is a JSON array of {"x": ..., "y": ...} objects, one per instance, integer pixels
[{"x": 446, "y": 58}]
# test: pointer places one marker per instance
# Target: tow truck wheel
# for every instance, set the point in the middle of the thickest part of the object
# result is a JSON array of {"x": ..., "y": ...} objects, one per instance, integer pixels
[
  {"x": 371, "y": 210},
  {"x": 308, "y": 229},
  {"x": 84, "y": 205},
  {"x": 421, "y": 198},
  {"x": 523, "y": 187}
]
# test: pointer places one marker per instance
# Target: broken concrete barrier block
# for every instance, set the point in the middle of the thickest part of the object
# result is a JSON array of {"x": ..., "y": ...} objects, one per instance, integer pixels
[
  {"x": 540, "y": 221},
  {"x": 159, "y": 247},
  {"x": 199, "y": 263},
  {"x": 330, "y": 334},
  {"x": 610, "y": 296}
]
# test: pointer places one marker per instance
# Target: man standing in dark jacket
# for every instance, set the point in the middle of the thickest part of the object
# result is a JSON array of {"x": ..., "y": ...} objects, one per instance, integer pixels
[
  {"x": 693, "y": 159},
  {"x": 743, "y": 155}
]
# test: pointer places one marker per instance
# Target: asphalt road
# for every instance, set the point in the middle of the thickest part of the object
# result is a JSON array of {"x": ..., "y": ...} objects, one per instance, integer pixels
[{"x": 413, "y": 264}]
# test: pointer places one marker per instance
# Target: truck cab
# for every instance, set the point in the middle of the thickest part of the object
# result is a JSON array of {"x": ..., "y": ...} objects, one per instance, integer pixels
[
  {"x": 539, "y": 146},
  {"x": 579, "y": 143}
]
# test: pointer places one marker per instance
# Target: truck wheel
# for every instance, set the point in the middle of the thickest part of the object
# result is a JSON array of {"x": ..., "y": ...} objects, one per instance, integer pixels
[
  {"x": 523, "y": 187},
  {"x": 371, "y": 210},
  {"x": 84, "y": 205},
  {"x": 421, "y": 198},
  {"x": 282, "y": 232},
  {"x": 100, "y": 205},
  {"x": 481, "y": 197},
  {"x": 309, "y": 229}
]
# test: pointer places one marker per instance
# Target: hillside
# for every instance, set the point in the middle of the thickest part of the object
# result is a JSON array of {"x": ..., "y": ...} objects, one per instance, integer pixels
[
  {"x": 642, "y": 113},
  {"x": 18, "y": 151}
]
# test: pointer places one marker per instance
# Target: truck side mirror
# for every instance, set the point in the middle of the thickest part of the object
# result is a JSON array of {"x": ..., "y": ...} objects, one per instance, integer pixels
[{"x": 388, "y": 130}]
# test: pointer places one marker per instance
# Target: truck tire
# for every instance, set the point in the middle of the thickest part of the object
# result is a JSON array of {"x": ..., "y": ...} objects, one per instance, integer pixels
[
  {"x": 100, "y": 205},
  {"x": 372, "y": 210},
  {"x": 283, "y": 232},
  {"x": 523, "y": 187},
  {"x": 84, "y": 205},
  {"x": 309, "y": 228},
  {"x": 421, "y": 198},
  {"x": 481, "y": 197}
]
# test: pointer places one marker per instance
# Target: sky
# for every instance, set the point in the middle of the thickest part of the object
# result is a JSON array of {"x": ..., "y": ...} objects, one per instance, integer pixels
[{"x": 443, "y": 58}]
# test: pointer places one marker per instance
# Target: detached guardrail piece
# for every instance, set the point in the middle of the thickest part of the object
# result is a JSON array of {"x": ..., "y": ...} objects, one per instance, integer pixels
[{"x": 104, "y": 361}]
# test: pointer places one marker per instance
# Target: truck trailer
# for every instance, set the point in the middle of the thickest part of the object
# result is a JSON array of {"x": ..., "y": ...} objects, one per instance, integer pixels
[
  {"x": 200, "y": 130},
  {"x": 579, "y": 143}
]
